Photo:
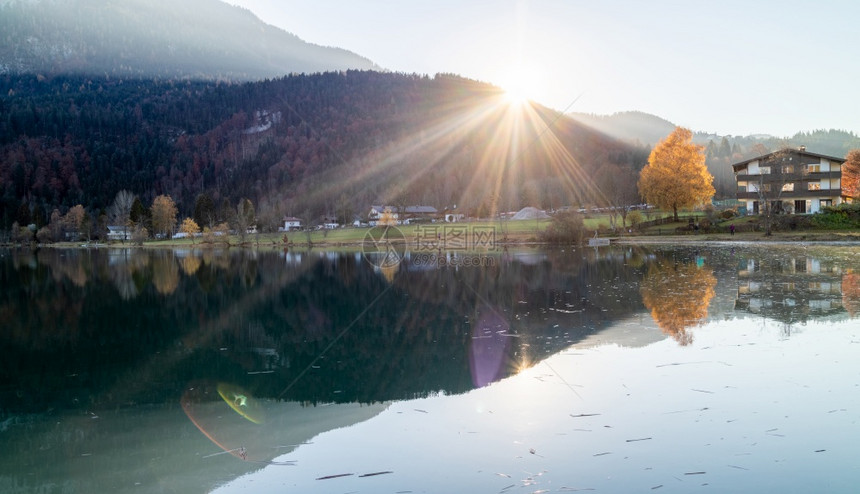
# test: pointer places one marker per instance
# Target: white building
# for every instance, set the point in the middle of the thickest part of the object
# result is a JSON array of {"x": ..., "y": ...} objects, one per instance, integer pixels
[
  {"x": 118, "y": 232},
  {"x": 291, "y": 223},
  {"x": 791, "y": 181}
]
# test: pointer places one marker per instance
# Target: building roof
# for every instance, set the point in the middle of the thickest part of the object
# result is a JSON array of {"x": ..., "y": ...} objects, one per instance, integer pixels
[
  {"x": 408, "y": 209},
  {"x": 291, "y": 218},
  {"x": 801, "y": 152}
]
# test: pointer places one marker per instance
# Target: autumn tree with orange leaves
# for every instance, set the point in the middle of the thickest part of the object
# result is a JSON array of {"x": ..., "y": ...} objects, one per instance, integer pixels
[
  {"x": 851, "y": 175},
  {"x": 163, "y": 215},
  {"x": 190, "y": 228},
  {"x": 675, "y": 176}
]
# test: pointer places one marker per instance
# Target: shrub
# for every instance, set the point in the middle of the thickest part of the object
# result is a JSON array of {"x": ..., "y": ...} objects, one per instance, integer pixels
[
  {"x": 791, "y": 222},
  {"x": 222, "y": 231},
  {"x": 634, "y": 217},
  {"x": 44, "y": 235},
  {"x": 21, "y": 234},
  {"x": 566, "y": 227},
  {"x": 138, "y": 235},
  {"x": 842, "y": 216},
  {"x": 208, "y": 235}
]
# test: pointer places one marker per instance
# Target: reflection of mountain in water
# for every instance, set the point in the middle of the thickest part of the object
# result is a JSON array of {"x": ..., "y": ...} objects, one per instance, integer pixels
[
  {"x": 794, "y": 288},
  {"x": 154, "y": 449},
  {"x": 313, "y": 328}
]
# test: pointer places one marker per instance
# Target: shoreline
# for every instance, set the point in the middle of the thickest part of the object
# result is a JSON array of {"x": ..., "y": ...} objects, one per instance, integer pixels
[{"x": 793, "y": 238}]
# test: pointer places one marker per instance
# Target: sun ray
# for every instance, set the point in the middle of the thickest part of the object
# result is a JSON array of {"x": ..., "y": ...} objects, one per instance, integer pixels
[
  {"x": 507, "y": 142},
  {"x": 464, "y": 120}
]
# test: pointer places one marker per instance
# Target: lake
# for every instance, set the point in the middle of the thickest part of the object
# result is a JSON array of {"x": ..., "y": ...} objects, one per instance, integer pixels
[{"x": 708, "y": 368}]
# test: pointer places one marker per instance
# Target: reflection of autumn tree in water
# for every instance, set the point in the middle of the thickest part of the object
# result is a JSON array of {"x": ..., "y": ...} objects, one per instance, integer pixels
[
  {"x": 851, "y": 293},
  {"x": 190, "y": 264},
  {"x": 388, "y": 271},
  {"x": 678, "y": 296},
  {"x": 61, "y": 267},
  {"x": 165, "y": 273}
]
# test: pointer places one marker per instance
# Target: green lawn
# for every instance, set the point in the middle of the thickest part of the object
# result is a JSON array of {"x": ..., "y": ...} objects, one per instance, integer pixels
[{"x": 513, "y": 230}]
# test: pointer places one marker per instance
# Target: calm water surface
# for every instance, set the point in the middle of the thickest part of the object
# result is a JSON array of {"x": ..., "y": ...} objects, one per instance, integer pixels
[{"x": 712, "y": 369}]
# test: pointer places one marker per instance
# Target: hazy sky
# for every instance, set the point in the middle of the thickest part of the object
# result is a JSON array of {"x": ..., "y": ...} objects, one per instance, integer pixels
[{"x": 731, "y": 67}]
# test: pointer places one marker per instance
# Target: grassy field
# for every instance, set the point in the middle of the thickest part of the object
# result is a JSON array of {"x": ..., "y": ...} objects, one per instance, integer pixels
[
  {"x": 509, "y": 231},
  {"x": 514, "y": 231}
]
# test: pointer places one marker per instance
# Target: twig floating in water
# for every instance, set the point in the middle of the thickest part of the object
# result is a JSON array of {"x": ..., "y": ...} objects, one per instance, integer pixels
[
  {"x": 374, "y": 474},
  {"x": 694, "y": 473},
  {"x": 604, "y": 453},
  {"x": 640, "y": 439},
  {"x": 584, "y": 415},
  {"x": 327, "y": 477}
]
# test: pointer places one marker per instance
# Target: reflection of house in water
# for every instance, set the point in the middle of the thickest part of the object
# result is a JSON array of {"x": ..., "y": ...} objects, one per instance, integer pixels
[
  {"x": 292, "y": 257},
  {"x": 790, "y": 290}
]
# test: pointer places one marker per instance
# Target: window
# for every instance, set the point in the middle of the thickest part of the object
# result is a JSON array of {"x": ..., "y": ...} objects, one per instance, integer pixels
[
  {"x": 788, "y": 187},
  {"x": 814, "y": 185},
  {"x": 788, "y": 169},
  {"x": 826, "y": 203},
  {"x": 813, "y": 168},
  {"x": 765, "y": 170}
]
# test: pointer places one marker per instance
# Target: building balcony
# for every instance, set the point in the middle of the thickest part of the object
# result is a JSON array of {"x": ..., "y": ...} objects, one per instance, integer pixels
[
  {"x": 789, "y": 177},
  {"x": 784, "y": 196}
]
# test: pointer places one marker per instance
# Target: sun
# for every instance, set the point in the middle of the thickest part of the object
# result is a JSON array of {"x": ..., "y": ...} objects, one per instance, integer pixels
[
  {"x": 516, "y": 95},
  {"x": 520, "y": 85}
]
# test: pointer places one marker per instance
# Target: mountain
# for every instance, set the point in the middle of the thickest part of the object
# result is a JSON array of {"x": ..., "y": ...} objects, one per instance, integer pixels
[
  {"x": 330, "y": 143},
  {"x": 191, "y": 39},
  {"x": 647, "y": 129},
  {"x": 631, "y": 126}
]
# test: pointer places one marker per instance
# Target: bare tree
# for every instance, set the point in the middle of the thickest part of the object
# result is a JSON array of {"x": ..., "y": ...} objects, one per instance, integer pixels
[
  {"x": 245, "y": 217},
  {"x": 617, "y": 190},
  {"x": 119, "y": 211}
]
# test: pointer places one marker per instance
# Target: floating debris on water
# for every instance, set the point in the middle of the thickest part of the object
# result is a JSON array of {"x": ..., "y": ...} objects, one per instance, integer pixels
[
  {"x": 335, "y": 476},
  {"x": 374, "y": 474}
]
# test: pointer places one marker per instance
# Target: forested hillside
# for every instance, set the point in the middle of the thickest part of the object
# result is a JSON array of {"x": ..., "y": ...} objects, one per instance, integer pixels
[{"x": 329, "y": 143}]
